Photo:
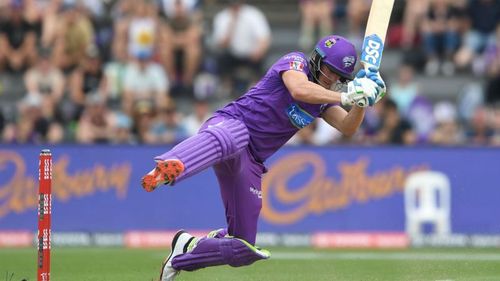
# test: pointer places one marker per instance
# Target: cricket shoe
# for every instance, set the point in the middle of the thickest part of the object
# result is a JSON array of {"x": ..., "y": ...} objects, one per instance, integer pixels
[
  {"x": 180, "y": 245},
  {"x": 165, "y": 172}
]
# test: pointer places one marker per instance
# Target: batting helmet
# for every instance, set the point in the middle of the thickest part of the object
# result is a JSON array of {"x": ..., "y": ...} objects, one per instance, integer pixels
[{"x": 337, "y": 53}]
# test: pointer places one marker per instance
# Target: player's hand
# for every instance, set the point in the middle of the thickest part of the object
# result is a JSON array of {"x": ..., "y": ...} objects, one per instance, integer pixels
[
  {"x": 373, "y": 74},
  {"x": 361, "y": 92}
]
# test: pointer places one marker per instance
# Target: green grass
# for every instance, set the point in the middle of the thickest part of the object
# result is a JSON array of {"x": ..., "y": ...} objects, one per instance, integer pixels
[{"x": 288, "y": 264}]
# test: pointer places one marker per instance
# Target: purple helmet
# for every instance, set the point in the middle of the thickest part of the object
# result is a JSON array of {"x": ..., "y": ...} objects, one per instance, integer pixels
[{"x": 337, "y": 53}]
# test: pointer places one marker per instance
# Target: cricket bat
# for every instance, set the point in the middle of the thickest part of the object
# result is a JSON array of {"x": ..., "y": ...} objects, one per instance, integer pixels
[{"x": 376, "y": 29}]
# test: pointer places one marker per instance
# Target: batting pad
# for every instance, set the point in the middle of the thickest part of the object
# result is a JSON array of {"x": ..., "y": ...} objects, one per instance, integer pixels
[
  {"x": 215, "y": 143},
  {"x": 219, "y": 251}
]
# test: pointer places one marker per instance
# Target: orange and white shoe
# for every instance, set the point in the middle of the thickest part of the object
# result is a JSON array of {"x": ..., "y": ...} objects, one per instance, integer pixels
[{"x": 165, "y": 172}]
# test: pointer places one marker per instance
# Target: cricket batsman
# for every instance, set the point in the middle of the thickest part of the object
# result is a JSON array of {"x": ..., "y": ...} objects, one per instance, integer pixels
[{"x": 238, "y": 138}]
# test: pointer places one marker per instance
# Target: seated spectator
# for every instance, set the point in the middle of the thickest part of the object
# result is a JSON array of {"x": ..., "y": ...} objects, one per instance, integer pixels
[
  {"x": 2, "y": 122},
  {"x": 447, "y": 130},
  {"x": 138, "y": 29},
  {"x": 95, "y": 124},
  {"x": 201, "y": 112},
  {"x": 46, "y": 79},
  {"x": 492, "y": 58},
  {"x": 48, "y": 11},
  {"x": 145, "y": 80},
  {"x": 394, "y": 128},
  {"x": 483, "y": 18},
  {"x": 414, "y": 13},
  {"x": 495, "y": 124},
  {"x": 122, "y": 129},
  {"x": 56, "y": 133},
  {"x": 242, "y": 37},
  {"x": 113, "y": 80},
  {"x": 73, "y": 37},
  {"x": 357, "y": 14},
  {"x": 315, "y": 14},
  {"x": 181, "y": 41},
  {"x": 86, "y": 79},
  {"x": 479, "y": 131},
  {"x": 420, "y": 115},
  {"x": 31, "y": 126},
  {"x": 405, "y": 90},
  {"x": 167, "y": 128},
  {"x": 144, "y": 116},
  {"x": 17, "y": 40},
  {"x": 441, "y": 38}
]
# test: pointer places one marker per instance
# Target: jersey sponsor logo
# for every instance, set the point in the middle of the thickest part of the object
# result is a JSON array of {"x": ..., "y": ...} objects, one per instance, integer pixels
[
  {"x": 372, "y": 50},
  {"x": 297, "y": 65},
  {"x": 298, "y": 116}
]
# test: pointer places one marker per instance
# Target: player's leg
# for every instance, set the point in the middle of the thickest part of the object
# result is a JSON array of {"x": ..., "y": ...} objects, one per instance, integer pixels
[
  {"x": 240, "y": 180},
  {"x": 219, "y": 139}
]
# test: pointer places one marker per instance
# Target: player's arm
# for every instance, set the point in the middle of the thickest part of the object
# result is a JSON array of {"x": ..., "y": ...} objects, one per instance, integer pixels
[
  {"x": 346, "y": 122},
  {"x": 304, "y": 90}
]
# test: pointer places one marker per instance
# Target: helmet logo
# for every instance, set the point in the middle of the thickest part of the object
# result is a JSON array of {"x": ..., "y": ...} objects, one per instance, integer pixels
[
  {"x": 348, "y": 61},
  {"x": 330, "y": 42}
]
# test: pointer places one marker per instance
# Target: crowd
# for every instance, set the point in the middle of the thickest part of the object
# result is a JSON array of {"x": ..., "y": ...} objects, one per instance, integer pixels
[{"x": 151, "y": 71}]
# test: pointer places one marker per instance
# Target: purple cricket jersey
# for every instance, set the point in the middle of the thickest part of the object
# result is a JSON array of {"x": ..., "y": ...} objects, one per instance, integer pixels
[{"x": 269, "y": 111}]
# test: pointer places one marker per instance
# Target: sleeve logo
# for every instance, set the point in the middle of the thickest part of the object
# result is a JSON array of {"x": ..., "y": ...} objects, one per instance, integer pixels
[{"x": 297, "y": 65}]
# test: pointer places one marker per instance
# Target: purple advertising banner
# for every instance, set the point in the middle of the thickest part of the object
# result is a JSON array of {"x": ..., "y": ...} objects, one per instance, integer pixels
[{"x": 97, "y": 188}]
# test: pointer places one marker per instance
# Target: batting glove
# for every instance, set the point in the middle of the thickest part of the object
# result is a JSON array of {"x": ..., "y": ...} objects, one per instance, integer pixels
[
  {"x": 373, "y": 74},
  {"x": 361, "y": 92}
]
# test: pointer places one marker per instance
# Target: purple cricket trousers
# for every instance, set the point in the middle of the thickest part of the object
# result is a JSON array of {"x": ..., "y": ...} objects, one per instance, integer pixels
[{"x": 222, "y": 142}]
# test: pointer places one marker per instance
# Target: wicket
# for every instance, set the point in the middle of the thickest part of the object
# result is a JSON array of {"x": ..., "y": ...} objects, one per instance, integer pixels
[{"x": 44, "y": 212}]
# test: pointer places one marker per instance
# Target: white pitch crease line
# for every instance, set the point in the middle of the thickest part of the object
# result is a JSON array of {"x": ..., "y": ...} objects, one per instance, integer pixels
[{"x": 385, "y": 256}]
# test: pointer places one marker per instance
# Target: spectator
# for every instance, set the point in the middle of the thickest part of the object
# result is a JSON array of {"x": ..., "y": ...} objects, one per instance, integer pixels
[
  {"x": 182, "y": 44},
  {"x": 17, "y": 40},
  {"x": 86, "y": 79},
  {"x": 48, "y": 11},
  {"x": 138, "y": 29},
  {"x": 441, "y": 37},
  {"x": 167, "y": 128},
  {"x": 495, "y": 124},
  {"x": 122, "y": 129},
  {"x": 2, "y": 122},
  {"x": 95, "y": 124},
  {"x": 56, "y": 133},
  {"x": 145, "y": 80},
  {"x": 316, "y": 14},
  {"x": 242, "y": 36},
  {"x": 121, "y": 13},
  {"x": 31, "y": 126},
  {"x": 113, "y": 80},
  {"x": 484, "y": 16},
  {"x": 405, "y": 89},
  {"x": 357, "y": 14},
  {"x": 492, "y": 57},
  {"x": 74, "y": 36},
  {"x": 144, "y": 114},
  {"x": 479, "y": 131},
  {"x": 414, "y": 13},
  {"x": 447, "y": 130},
  {"x": 395, "y": 129},
  {"x": 46, "y": 79},
  {"x": 201, "y": 113}
]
